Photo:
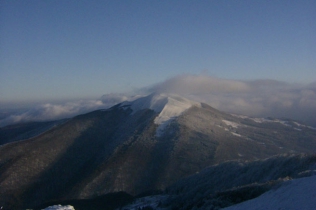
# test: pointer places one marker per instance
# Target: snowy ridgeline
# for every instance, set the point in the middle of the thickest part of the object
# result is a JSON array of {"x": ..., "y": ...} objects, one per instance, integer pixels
[
  {"x": 170, "y": 106},
  {"x": 167, "y": 105},
  {"x": 291, "y": 123},
  {"x": 60, "y": 207},
  {"x": 297, "y": 194}
]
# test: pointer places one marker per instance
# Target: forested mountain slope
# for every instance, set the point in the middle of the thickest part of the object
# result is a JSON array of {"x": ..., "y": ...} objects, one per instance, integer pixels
[{"x": 146, "y": 144}]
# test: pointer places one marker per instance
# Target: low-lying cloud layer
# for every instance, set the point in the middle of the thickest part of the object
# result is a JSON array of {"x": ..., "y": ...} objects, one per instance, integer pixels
[
  {"x": 50, "y": 111},
  {"x": 260, "y": 98}
]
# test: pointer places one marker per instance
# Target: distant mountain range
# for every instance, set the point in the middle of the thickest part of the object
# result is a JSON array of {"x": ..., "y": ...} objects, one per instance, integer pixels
[{"x": 145, "y": 145}]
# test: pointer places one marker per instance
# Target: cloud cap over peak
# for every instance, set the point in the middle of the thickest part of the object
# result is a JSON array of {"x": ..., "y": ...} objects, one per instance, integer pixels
[{"x": 263, "y": 98}]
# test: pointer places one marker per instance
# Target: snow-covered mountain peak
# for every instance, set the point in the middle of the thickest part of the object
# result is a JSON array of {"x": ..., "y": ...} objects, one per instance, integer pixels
[
  {"x": 174, "y": 107},
  {"x": 161, "y": 102},
  {"x": 154, "y": 102},
  {"x": 168, "y": 106}
]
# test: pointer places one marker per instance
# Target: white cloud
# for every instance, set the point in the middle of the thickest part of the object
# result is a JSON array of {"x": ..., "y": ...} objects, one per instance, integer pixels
[
  {"x": 257, "y": 98},
  {"x": 51, "y": 111}
]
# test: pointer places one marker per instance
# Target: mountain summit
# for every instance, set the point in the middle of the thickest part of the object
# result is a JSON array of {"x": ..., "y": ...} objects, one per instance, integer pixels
[
  {"x": 138, "y": 146},
  {"x": 168, "y": 106}
]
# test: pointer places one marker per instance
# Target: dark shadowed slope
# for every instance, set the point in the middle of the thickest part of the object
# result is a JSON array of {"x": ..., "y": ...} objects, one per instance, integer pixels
[
  {"x": 233, "y": 182},
  {"x": 22, "y": 131},
  {"x": 58, "y": 163}
]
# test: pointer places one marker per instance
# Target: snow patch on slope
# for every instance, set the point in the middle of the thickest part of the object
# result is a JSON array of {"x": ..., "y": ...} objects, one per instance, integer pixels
[
  {"x": 283, "y": 122},
  {"x": 232, "y": 124},
  {"x": 168, "y": 106},
  {"x": 292, "y": 195},
  {"x": 236, "y": 134},
  {"x": 60, "y": 207}
]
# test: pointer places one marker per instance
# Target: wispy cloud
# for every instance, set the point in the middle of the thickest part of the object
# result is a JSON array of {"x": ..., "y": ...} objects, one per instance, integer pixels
[{"x": 257, "y": 97}]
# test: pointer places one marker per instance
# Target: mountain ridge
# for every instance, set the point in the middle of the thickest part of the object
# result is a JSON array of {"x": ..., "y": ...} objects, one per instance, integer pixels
[{"x": 118, "y": 149}]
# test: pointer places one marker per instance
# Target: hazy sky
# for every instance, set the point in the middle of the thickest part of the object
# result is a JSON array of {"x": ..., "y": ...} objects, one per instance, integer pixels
[{"x": 65, "y": 49}]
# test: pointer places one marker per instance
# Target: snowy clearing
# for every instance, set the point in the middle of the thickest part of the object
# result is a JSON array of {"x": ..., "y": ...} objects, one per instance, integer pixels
[{"x": 298, "y": 194}]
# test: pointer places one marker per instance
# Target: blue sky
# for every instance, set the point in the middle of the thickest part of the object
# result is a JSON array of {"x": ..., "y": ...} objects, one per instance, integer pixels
[{"x": 83, "y": 49}]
